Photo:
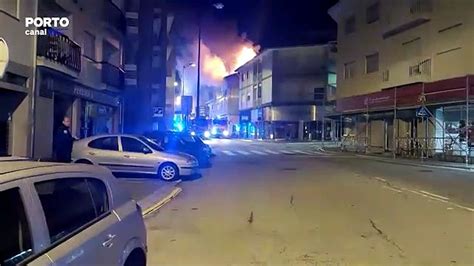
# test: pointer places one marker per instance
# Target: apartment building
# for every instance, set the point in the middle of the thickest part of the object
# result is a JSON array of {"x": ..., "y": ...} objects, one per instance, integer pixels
[
  {"x": 395, "y": 57},
  {"x": 17, "y": 82},
  {"x": 282, "y": 93},
  {"x": 224, "y": 107},
  {"x": 79, "y": 71},
  {"x": 150, "y": 63}
]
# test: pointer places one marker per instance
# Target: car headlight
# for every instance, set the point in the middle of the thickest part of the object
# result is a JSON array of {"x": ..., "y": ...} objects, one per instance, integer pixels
[
  {"x": 226, "y": 133},
  {"x": 214, "y": 131},
  {"x": 193, "y": 133},
  {"x": 191, "y": 161},
  {"x": 207, "y": 134}
]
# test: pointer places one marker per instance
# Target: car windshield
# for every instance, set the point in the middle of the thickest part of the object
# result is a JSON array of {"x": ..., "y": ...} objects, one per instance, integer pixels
[{"x": 151, "y": 143}]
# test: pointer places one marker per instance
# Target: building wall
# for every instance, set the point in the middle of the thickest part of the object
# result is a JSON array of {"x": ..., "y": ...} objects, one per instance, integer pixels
[
  {"x": 16, "y": 119},
  {"x": 443, "y": 40}
]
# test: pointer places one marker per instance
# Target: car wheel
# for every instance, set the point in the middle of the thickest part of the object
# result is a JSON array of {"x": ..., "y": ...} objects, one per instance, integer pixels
[
  {"x": 168, "y": 171},
  {"x": 83, "y": 161},
  {"x": 136, "y": 258}
]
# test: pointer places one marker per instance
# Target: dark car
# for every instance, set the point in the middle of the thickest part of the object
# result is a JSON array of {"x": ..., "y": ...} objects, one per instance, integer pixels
[{"x": 183, "y": 142}]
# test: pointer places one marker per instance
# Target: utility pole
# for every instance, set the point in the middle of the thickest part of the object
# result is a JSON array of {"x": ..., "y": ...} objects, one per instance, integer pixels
[{"x": 198, "y": 89}]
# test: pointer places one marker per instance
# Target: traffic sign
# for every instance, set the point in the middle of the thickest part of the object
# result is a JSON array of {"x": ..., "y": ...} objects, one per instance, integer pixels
[
  {"x": 422, "y": 112},
  {"x": 158, "y": 112}
]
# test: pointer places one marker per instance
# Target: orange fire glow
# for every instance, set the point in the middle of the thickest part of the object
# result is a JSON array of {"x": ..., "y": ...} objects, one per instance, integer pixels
[{"x": 245, "y": 55}]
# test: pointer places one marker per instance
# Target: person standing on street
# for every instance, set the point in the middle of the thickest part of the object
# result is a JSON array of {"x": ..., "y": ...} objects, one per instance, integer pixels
[{"x": 63, "y": 141}]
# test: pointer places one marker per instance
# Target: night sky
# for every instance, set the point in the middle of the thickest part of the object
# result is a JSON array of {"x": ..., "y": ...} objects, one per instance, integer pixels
[{"x": 275, "y": 23}]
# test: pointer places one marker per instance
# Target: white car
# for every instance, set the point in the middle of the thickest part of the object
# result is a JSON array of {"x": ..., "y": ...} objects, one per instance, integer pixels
[
  {"x": 133, "y": 154},
  {"x": 57, "y": 214}
]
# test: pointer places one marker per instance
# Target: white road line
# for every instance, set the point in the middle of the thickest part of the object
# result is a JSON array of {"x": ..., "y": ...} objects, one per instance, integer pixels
[
  {"x": 229, "y": 153},
  {"x": 270, "y": 151},
  {"x": 319, "y": 153},
  {"x": 258, "y": 152},
  {"x": 243, "y": 152},
  {"x": 426, "y": 195},
  {"x": 381, "y": 179},
  {"x": 433, "y": 195},
  {"x": 393, "y": 189},
  {"x": 286, "y": 152},
  {"x": 300, "y": 152}
]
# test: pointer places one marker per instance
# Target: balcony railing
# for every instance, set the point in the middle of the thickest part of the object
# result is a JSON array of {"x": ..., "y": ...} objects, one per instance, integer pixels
[
  {"x": 112, "y": 75},
  {"x": 58, "y": 48}
]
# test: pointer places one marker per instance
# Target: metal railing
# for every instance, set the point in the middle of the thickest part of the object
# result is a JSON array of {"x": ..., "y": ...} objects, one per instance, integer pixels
[{"x": 58, "y": 48}]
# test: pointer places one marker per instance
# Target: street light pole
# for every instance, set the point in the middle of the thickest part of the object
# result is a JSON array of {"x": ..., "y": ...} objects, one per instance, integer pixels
[
  {"x": 198, "y": 89},
  {"x": 218, "y": 6}
]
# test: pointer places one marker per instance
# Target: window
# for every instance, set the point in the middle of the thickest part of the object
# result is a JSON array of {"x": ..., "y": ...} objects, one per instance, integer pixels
[
  {"x": 89, "y": 45},
  {"x": 372, "y": 63},
  {"x": 373, "y": 13},
  {"x": 349, "y": 25},
  {"x": 133, "y": 145},
  {"x": 259, "y": 94},
  {"x": 10, "y": 7},
  {"x": 248, "y": 96},
  {"x": 319, "y": 94},
  {"x": 70, "y": 203},
  {"x": 107, "y": 143},
  {"x": 16, "y": 239},
  {"x": 349, "y": 70}
]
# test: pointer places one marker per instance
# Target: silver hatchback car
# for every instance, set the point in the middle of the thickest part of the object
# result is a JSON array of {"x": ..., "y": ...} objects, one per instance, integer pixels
[
  {"x": 133, "y": 154},
  {"x": 57, "y": 214}
]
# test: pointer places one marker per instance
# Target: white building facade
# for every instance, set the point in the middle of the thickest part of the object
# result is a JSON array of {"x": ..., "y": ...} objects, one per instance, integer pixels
[
  {"x": 282, "y": 91},
  {"x": 395, "y": 57}
]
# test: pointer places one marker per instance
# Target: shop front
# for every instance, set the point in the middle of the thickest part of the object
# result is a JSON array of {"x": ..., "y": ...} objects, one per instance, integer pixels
[{"x": 92, "y": 112}]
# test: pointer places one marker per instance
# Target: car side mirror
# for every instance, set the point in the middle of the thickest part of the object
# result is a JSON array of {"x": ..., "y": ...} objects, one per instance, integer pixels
[{"x": 146, "y": 150}]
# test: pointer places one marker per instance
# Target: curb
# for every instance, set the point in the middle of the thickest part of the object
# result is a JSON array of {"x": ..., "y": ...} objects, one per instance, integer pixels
[
  {"x": 394, "y": 161},
  {"x": 163, "y": 201}
]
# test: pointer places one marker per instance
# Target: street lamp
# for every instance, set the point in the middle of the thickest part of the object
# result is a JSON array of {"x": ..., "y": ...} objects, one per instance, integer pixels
[{"x": 219, "y": 6}]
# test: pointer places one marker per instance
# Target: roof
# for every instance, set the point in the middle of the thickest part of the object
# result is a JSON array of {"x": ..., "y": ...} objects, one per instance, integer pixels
[{"x": 11, "y": 169}]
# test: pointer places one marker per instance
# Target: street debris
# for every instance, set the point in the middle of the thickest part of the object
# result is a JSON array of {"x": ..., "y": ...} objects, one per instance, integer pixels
[
  {"x": 250, "y": 220},
  {"x": 291, "y": 200},
  {"x": 386, "y": 238}
]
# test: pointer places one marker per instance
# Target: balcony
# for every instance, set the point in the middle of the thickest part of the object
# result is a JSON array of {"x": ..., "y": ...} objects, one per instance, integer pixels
[
  {"x": 408, "y": 15},
  {"x": 113, "y": 17},
  {"x": 112, "y": 75},
  {"x": 58, "y": 48}
]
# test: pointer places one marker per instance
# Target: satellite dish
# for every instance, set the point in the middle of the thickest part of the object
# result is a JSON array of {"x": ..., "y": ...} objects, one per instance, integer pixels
[{"x": 4, "y": 57}]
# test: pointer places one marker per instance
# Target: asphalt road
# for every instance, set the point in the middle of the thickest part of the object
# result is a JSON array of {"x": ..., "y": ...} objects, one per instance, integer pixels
[{"x": 291, "y": 204}]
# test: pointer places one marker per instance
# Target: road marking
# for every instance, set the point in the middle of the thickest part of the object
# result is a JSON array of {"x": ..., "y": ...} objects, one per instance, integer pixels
[
  {"x": 393, "y": 189},
  {"x": 381, "y": 179},
  {"x": 434, "y": 195},
  {"x": 258, "y": 152},
  {"x": 319, "y": 153},
  {"x": 270, "y": 151},
  {"x": 243, "y": 152},
  {"x": 229, "y": 153},
  {"x": 286, "y": 152},
  {"x": 300, "y": 152},
  {"x": 426, "y": 195}
]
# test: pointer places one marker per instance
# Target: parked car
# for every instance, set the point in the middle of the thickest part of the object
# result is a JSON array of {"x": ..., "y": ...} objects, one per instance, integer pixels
[
  {"x": 183, "y": 142},
  {"x": 133, "y": 154},
  {"x": 58, "y": 214}
]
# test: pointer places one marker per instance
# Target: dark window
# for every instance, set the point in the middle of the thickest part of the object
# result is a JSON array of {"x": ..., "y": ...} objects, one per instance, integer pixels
[
  {"x": 89, "y": 45},
  {"x": 107, "y": 143},
  {"x": 133, "y": 145},
  {"x": 372, "y": 63},
  {"x": 373, "y": 13},
  {"x": 349, "y": 25},
  {"x": 15, "y": 244},
  {"x": 259, "y": 93},
  {"x": 71, "y": 203},
  {"x": 319, "y": 94}
]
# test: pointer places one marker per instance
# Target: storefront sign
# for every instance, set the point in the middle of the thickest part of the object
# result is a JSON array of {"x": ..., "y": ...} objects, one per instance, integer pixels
[
  {"x": 4, "y": 57},
  {"x": 83, "y": 93},
  {"x": 49, "y": 85}
]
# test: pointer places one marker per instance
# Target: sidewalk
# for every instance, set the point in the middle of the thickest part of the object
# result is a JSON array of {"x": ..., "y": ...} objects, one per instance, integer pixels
[
  {"x": 412, "y": 162},
  {"x": 150, "y": 194}
]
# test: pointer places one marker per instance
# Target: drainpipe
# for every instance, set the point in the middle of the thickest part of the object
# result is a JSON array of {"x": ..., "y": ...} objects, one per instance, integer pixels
[{"x": 33, "y": 94}]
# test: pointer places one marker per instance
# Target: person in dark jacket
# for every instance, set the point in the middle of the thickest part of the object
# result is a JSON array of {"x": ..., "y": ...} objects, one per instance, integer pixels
[{"x": 63, "y": 141}]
